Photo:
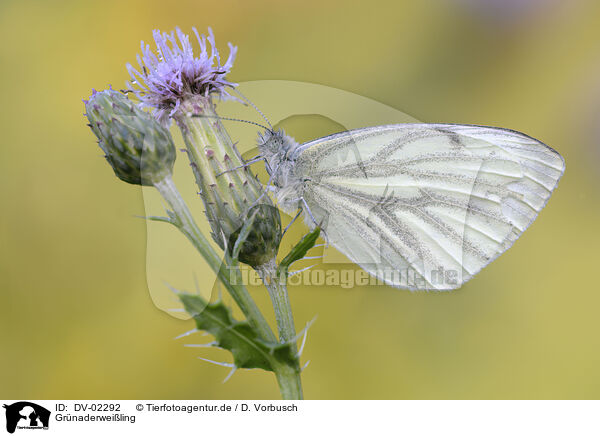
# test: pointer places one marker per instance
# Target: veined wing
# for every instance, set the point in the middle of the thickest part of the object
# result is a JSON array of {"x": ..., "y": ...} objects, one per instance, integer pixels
[{"x": 426, "y": 206}]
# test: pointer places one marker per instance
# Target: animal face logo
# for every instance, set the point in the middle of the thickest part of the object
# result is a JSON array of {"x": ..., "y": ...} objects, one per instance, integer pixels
[{"x": 26, "y": 415}]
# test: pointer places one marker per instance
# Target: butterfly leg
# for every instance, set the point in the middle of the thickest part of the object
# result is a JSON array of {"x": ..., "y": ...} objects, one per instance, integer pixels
[
  {"x": 264, "y": 192},
  {"x": 292, "y": 221},
  {"x": 305, "y": 207},
  {"x": 246, "y": 164}
]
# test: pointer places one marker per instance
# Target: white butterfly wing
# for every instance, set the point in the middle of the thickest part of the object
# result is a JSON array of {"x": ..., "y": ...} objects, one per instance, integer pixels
[{"x": 426, "y": 206}]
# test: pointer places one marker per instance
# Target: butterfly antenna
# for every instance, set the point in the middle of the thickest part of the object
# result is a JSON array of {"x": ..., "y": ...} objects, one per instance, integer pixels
[
  {"x": 254, "y": 106},
  {"x": 231, "y": 119}
]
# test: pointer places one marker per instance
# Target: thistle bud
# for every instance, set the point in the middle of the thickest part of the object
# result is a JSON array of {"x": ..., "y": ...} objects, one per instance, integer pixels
[
  {"x": 138, "y": 148},
  {"x": 237, "y": 209}
]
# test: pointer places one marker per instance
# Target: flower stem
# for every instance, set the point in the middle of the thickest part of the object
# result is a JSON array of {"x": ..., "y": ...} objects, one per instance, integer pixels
[
  {"x": 290, "y": 384},
  {"x": 289, "y": 380},
  {"x": 277, "y": 288},
  {"x": 190, "y": 229}
]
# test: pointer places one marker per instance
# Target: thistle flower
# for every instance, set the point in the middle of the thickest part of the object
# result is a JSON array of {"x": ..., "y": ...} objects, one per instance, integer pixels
[
  {"x": 138, "y": 148},
  {"x": 174, "y": 74},
  {"x": 180, "y": 86}
]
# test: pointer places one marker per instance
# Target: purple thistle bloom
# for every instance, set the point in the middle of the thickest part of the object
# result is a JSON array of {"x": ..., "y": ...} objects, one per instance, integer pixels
[{"x": 173, "y": 75}]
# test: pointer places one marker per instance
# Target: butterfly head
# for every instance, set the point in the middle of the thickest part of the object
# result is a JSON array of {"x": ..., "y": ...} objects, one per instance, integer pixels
[{"x": 275, "y": 146}]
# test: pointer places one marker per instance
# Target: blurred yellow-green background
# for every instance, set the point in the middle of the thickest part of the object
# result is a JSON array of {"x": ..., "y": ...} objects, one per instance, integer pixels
[{"x": 76, "y": 317}]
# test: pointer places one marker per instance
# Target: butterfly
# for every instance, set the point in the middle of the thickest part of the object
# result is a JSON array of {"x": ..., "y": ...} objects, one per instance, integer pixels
[{"x": 418, "y": 206}]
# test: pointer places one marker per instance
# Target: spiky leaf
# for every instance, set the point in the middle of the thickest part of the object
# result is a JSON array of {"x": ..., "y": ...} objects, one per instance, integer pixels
[
  {"x": 300, "y": 250},
  {"x": 238, "y": 337}
]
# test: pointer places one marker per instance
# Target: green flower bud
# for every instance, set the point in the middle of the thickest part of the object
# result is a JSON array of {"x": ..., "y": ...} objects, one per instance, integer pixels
[
  {"x": 235, "y": 202},
  {"x": 239, "y": 203},
  {"x": 137, "y": 147}
]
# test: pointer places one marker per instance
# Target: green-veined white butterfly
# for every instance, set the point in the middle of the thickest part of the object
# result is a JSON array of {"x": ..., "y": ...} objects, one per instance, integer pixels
[{"x": 419, "y": 206}]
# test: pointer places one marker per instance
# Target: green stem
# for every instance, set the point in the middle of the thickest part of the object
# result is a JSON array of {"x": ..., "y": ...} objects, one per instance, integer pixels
[
  {"x": 289, "y": 378},
  {"x": 190, "y": 229},
  {"x": 277, "y": 288},
  {"x": 289, "y": 381}
]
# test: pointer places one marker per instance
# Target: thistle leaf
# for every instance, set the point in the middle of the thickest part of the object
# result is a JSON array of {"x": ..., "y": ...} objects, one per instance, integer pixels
[
  {"x": 299, "y": 251},
  {"x": 243, "y": 235},
  {"x": 163, "y": 219},
  {"x": 238, "y": 337}
]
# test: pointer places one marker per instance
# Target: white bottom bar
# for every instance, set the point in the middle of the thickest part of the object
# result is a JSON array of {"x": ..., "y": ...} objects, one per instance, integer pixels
[{"x": 283, "y": 418}]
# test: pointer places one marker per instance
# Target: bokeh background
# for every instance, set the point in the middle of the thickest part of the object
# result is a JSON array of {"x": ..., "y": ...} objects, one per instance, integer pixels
[{"x": 76, "y": 317}]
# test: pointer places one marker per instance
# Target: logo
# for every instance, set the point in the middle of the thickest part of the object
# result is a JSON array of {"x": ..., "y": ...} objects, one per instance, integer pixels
[{"x": 26, "y": 415}]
